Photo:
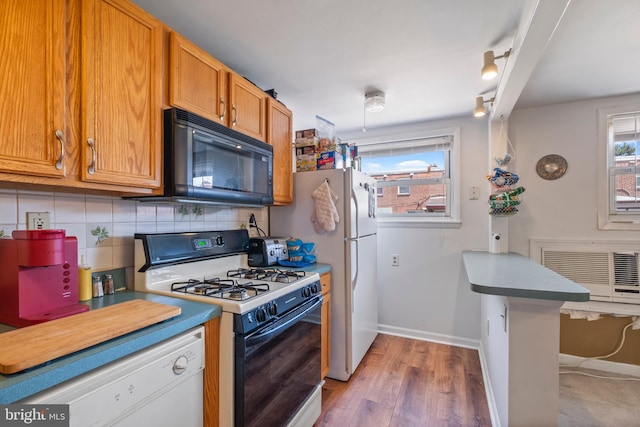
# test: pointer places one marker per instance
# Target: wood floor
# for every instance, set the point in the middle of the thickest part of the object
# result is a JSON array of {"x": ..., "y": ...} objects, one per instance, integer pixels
[{"x": 408, "y": 383}]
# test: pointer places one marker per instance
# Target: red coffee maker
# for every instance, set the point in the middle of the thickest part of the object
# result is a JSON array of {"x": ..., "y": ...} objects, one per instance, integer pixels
[{"x": 38, "y": 277}]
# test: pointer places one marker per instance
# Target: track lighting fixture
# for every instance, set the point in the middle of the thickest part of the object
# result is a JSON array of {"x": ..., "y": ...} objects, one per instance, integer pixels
[
  {"x": 490, "y": 69},
  {"x": 480, "y": 111}
]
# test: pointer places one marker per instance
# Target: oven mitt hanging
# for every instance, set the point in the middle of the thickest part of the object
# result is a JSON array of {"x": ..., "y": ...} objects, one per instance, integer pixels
[{"x": 325, "y": 215}]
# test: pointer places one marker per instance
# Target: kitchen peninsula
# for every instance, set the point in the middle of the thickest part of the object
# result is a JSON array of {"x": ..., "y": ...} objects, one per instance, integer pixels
[{"x": 520, "y": 317}]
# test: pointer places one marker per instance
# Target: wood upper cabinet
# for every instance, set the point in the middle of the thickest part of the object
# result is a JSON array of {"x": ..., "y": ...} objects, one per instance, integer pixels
[
  {"x": 122, "y": 94},
  {"x": 247, "y": 107},
  {"x": 74, "y": 72},
  {"x": 197, "y": 81},
  {"x": 201, "y": 84},
  {"x": 32, "y": 87},
  {"x": 325, "y": 320},
  {"x": 280, "y": 136}
]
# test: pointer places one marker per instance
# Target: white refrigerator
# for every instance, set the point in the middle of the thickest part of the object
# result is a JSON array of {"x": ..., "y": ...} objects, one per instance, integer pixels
[{"x": 350, "y": 249}]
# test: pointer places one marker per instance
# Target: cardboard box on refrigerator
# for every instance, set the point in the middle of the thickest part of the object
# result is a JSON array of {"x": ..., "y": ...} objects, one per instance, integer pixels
[
  {"x": 306, "y": 162},
  {"x": 306, "y": 133},
  {"x": 307, "y": 146},
  {"x": 331, "y": 159}
]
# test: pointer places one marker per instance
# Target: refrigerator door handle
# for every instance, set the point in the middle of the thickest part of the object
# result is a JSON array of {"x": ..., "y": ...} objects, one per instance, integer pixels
[
  {"x": 354, "y": 280},
  {"x": 355, "y": 214}
]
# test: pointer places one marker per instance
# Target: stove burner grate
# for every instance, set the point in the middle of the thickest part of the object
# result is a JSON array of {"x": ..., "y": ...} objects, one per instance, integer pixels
[
  {"x": 267, "y": 274},
  {"x": 220, "y": 288}
]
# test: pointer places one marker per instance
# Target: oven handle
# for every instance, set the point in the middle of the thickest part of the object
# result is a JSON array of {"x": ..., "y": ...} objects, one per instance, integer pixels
[{"x": 283, "y": 323}]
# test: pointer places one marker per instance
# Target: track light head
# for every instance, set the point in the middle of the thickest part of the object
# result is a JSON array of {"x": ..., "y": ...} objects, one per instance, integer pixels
[
  {"x": 490, "y": 69},
  {"x": 479, "y": 110}
]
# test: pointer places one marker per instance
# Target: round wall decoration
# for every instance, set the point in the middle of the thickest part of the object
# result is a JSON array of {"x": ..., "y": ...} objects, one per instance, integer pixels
[{"x": 551, "y": 166}]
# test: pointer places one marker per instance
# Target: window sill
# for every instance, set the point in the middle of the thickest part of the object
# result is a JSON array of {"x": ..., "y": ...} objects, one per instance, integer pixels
[
  {"x": 622, "y": 225},
  {"x": 421, "y": 222}
]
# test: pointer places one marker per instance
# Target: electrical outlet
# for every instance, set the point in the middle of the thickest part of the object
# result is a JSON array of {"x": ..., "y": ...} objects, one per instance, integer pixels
[
  {"x": 38, "y": 221},
  {"x": 395, "y": 260}
]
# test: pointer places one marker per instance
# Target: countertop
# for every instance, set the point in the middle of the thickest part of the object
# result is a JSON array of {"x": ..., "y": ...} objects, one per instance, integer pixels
[
  {"x": 20, "y": 385},
  {"x": 514, "y": 275},
  {"x": 318, "y": 267}
]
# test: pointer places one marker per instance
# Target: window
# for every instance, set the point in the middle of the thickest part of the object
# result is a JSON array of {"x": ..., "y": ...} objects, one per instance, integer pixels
[
  {"x": 404, "y": 190},
  {"x": 415, "y": 176},
  {"x": 619, "y": 197}
]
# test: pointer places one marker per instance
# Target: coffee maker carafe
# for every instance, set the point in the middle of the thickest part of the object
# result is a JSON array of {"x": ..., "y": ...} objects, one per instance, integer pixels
[{"x": 38, "y": 277}]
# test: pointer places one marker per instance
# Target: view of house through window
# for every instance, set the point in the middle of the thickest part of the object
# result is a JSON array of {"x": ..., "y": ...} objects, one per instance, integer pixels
[
  {"x": 413, "y": 176},
  {"x": 624, "y": 169}
]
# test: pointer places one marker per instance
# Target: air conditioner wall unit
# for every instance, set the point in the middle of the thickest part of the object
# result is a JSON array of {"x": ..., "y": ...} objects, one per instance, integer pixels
[{"x": 609, "y": 269}]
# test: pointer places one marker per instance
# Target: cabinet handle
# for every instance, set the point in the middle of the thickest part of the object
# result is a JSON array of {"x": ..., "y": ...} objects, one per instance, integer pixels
[
  {"x": 59, "y": 162},
  {"x": 235, "y": 115},
  {"x": 94, "y": 156},
  {"x": 223, "y": 108}
]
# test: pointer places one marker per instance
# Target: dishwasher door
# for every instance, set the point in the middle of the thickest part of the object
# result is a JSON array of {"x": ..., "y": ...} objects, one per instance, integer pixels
[{"x": 161, "y": 386}]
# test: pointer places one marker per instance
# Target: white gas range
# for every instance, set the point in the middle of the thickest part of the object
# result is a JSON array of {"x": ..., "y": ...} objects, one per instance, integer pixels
[{"x": 270, "y": 320}]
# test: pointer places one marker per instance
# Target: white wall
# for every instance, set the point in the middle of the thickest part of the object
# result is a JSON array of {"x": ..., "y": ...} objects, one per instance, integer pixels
[
  {"x": 566, "y": 207},
  {"x": 428, "y": 294}
]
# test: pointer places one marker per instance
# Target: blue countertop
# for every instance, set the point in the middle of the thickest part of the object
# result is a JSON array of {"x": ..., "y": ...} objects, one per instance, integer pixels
[
  {"x": 313, "y": 268},
  {"x": 514, "y": 275},
  {"x": 23, "y": 384}
]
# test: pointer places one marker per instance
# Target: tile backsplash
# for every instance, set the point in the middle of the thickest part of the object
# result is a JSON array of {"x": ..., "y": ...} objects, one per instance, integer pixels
[{"x": 104, "y": 226}]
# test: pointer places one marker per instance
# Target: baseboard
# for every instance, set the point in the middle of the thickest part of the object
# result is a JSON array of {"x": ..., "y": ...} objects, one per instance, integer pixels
[
  {"x": 488, "y": 389},
  {"x": 600, "y": 365},
  {"x": 428, "y": 336}
]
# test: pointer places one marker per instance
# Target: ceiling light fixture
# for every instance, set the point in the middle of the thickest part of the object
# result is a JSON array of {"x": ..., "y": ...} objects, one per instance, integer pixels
[
  {"x": 374, "y": 101},
  {"x": 490, "y": 69},
  {"x": 480, "y": 111}
]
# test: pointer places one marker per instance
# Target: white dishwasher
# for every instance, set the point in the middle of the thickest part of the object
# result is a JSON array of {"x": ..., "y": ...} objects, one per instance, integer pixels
[{"x": 159, "y": 386}]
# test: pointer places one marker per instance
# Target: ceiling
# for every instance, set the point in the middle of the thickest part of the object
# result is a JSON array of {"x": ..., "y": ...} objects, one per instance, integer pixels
[{"x": 321, "y": 57}]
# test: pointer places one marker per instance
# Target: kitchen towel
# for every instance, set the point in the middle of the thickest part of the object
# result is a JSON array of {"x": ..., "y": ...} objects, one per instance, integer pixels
[{"x": 325, "y": 215}]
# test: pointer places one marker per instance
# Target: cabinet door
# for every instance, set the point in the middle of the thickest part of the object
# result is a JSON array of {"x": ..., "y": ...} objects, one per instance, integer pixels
[
  {"x": 122, "y": 95},
  {"x": 197, "y": 81},
  {"x": 280, "y": 136},
  {"x": 32, "y": 104},
  {"x": 247, "y": 112}
]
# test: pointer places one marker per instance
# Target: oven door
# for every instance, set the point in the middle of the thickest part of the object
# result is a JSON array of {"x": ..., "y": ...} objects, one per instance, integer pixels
[{"x": 278, "y": 367}]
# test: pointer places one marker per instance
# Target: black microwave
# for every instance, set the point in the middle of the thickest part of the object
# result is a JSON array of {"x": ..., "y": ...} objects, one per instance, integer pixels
[{"x": 206, "y": 162}]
